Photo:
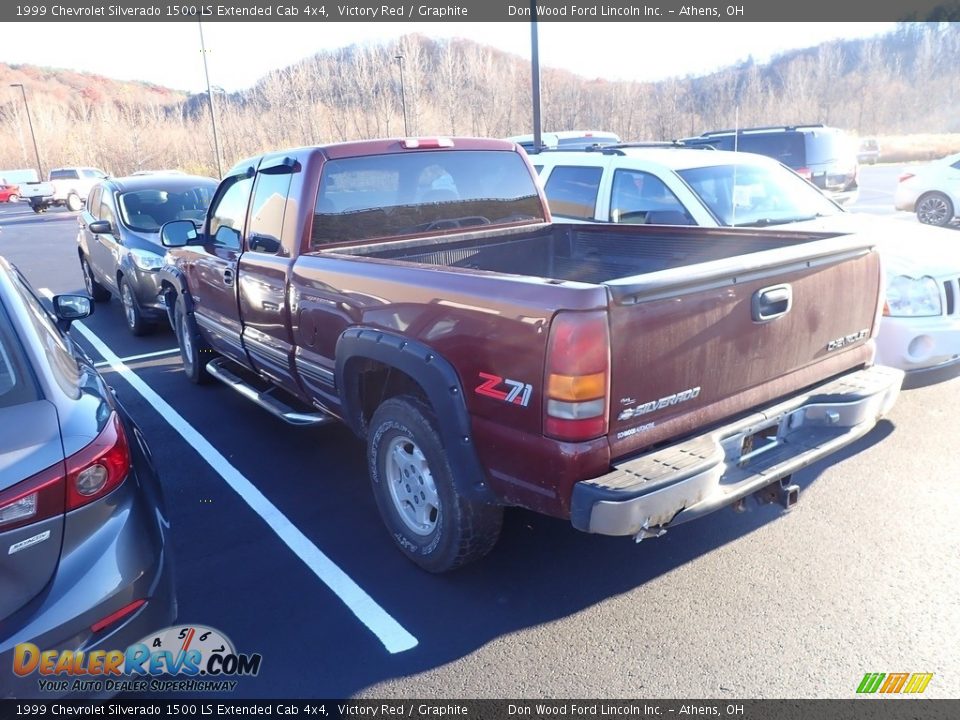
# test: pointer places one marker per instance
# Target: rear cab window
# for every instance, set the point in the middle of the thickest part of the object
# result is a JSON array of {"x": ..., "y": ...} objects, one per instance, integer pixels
[
  {"x": 439, "y": 191},
  {"x": 63, "y": 175}
]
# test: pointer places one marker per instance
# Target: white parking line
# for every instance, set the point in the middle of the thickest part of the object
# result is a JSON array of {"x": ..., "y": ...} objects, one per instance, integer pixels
[
  {"x": 142, "y": 356},
  {"x": 394, "y": 636}
]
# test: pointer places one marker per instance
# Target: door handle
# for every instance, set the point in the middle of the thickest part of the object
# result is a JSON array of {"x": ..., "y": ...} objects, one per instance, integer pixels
[
  {"x": 770, "y": 303},
  {"x": 228, "y": 277}
]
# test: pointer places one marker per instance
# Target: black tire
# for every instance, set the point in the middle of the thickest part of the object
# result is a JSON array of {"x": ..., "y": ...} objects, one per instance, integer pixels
[
  {"x": 97, "y": 291},
  {"x": 132, "y": 313},
  {"x": 194, "y": 352},
  {"x": 37, "y": 208},
  {"x": 934, "y": 209},
  {"x": 74, "y": 202},
  {"x": 455, "y": 530}
]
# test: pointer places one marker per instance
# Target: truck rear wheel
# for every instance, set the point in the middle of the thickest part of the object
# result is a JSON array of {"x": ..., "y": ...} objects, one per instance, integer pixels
[
  {"x": 194, "y": 352},
  {"x": 427, "y": 517}
]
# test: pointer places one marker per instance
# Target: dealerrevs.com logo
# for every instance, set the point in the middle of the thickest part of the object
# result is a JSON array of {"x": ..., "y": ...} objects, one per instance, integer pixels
[{"x": 179, "y": 658}]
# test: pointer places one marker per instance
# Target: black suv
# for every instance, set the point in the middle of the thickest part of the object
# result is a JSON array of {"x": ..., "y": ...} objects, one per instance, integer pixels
[{"x": 825, "y": 156}]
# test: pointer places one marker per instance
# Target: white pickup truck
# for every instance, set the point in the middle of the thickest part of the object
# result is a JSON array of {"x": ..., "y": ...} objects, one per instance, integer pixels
[{"x": 66, "y": 187}]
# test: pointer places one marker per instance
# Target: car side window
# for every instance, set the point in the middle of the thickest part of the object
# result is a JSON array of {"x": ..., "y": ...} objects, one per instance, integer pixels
[
  {"x": 106, "y": 213},
  {"x": 93, "y": 201},
  {"x": 267, "y": 213},
  {"x": 228, "y": 216},
  {"x": 572, "y": 191},
  {"x": 640, "y": 197}
]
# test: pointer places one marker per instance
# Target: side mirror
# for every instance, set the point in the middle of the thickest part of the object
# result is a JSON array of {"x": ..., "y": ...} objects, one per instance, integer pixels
[
  {"x": 178, "y": 233},
  {"x": 100, "y": 227},
  {"x": 68, "y": 308}
]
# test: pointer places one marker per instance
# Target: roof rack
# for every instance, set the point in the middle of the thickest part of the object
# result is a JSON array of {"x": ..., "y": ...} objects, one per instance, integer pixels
[{"x": 765, "y": 127}]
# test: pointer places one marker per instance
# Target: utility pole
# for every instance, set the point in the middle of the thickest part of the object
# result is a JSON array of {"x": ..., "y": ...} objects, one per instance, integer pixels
[
  {"x": 535, "y": 74},
  {"x": 33, "y": 136},
  {"x": 213, "y": 114},
  {"x": 403, "y": 96}
]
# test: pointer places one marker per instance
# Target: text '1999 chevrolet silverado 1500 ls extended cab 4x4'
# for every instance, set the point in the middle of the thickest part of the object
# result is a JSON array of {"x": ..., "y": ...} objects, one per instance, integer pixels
[{"x": 625, "y": 378}]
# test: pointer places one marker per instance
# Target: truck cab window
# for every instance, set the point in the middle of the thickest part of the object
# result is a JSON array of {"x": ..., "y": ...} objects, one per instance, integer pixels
[
  {"x": 269, "y": 208},
  {"x": 227, "y": 218}
]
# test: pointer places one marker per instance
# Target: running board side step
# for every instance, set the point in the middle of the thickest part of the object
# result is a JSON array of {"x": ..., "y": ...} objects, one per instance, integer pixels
[{"x": 219, "y": 370}]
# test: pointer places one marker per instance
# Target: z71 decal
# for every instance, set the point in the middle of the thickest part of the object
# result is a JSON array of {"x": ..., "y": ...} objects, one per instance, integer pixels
[{"x": 518, "y": 394}]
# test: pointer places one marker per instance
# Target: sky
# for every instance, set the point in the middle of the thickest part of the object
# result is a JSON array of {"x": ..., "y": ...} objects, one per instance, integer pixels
[{"x": 239, "y": 53}]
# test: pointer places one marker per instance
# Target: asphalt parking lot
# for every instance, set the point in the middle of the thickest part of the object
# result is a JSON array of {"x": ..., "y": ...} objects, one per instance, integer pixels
[{"x": 278, "y": 544}]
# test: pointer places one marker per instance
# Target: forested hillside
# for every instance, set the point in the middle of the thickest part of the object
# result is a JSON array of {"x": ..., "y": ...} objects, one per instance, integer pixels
[{"x": 905, "y": 82}]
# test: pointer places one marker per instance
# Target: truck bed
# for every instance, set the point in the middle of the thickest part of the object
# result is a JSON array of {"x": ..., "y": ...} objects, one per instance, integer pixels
[{"x": 593, "y": 254}]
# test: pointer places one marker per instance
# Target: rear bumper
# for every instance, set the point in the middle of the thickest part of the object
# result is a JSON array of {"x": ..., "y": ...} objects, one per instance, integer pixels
[{"x": 684, "y": 481}]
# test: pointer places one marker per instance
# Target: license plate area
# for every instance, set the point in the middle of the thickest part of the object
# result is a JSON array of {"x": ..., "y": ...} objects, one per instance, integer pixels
[{"x": 758, "y": 442}]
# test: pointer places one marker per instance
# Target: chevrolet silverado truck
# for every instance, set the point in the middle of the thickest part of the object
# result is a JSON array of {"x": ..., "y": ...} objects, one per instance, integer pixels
[
  {"x": 67, "y": 187},
  {"x": 624, "y": 378}
]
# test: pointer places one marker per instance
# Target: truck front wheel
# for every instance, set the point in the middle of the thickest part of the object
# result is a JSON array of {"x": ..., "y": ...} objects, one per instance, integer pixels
[
  {"x": 194, "y": 352},
  {"x": 74, "y": 202},
  {"x": 427, "y": 517}
]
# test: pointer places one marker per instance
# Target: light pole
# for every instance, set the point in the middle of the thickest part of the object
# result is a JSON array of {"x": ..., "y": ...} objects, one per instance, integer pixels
[
  {"x": 403, "y": 96},
  {"x": 213, "y": 114},
  {"x": 36, "y": 150}
]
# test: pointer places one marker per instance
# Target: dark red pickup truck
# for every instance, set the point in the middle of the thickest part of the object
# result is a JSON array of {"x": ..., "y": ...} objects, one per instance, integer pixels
[{"x": 627, "y": 378}]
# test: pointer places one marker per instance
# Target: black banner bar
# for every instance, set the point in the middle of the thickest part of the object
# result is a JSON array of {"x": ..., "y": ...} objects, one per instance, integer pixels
[
  {"x": 863, "y": 708},
  {"x": 321, "y": 11}
]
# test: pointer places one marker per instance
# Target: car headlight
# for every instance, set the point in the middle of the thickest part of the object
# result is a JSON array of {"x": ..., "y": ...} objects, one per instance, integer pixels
[
  {"x": 146, "y": 260},
  {"x": 913, "y": 297}
]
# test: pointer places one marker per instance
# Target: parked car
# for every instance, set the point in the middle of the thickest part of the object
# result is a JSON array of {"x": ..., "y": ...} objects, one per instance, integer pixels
[
  {"x": 932, "y": 191},
  {"x": 869, "y": 151},
  {"x": 567, "y": 140},
  {"x": 9, "y": 193},
  {"x": 920, "y": 327},
  {"x": 825, "y": 156},
  {"x": 118, "y": 241},
  {"x": 626, "y": 379},
  {"x": 66, "y": 187},
  {"x": 84, "y": 557}
]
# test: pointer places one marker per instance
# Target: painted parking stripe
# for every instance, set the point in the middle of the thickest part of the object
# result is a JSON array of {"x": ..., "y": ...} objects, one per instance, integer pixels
[
  {"x": 141, "y": 356},
  {"x": 394, "y": 636}
]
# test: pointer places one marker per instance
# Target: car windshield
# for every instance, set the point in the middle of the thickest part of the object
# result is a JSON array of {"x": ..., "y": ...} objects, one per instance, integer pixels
[
  {"x": 745, "y": 195},
  {"x": 146, "y": 210}
]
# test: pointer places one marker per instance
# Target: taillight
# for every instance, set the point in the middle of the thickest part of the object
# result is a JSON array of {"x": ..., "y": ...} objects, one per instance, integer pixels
[
  {"x": 37, "y": 498},
  {"x": 905, "y": 176},
  {"x": 90, "y": 474},
  {"x": 577, "y": 376},
  {"x": 100, "y": 467},
  {"x": 805, "y": 173}
]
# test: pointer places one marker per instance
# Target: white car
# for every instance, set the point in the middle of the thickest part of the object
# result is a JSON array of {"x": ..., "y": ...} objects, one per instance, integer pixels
[
  {"x": 932, "y": 191},
  {"x": 920, "y": 327}
]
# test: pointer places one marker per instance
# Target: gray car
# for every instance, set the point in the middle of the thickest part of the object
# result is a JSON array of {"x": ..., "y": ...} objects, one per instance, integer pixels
[
  {"x": 84, "y": 558},
  {"x": 119, "y": 242}
]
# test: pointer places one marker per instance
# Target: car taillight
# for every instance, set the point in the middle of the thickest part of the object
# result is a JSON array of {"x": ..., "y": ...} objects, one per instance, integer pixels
[
  {"x": 100, "y": 467},
  {"x": 805, "y": 173},
  {"x": 88, "y": 475},
  {"x": 577, "y": 376},
  {"x": 905, "y": 176},
  {"x": 37, "y": 498}
]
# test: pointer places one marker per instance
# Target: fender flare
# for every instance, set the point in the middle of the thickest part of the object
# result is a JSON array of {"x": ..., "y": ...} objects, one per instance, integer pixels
[
  {"x": 172, "y": 275},
  {"x": 443, "y": 389}
]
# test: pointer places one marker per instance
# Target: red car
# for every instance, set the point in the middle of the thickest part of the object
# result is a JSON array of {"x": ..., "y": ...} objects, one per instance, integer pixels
[{"x": 9, "y": 193}]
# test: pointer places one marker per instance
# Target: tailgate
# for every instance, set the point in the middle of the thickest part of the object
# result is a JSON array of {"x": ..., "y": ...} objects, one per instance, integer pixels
[{"x": 693, "y": 346}]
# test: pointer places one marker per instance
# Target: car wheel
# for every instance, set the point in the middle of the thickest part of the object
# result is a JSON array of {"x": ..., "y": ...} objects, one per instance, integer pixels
[
  {"x": 13, "y": 198},
  {"x": 74, "y": 202},
  {"x": 97, "y": 291},
  {"x": 427, "y": 517},
  {"x": 131, "y": 310},
  {"x": 37, "y": 208},
  {"x": 194, "y": 352},
  {"x": 934, "y": 209}
]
